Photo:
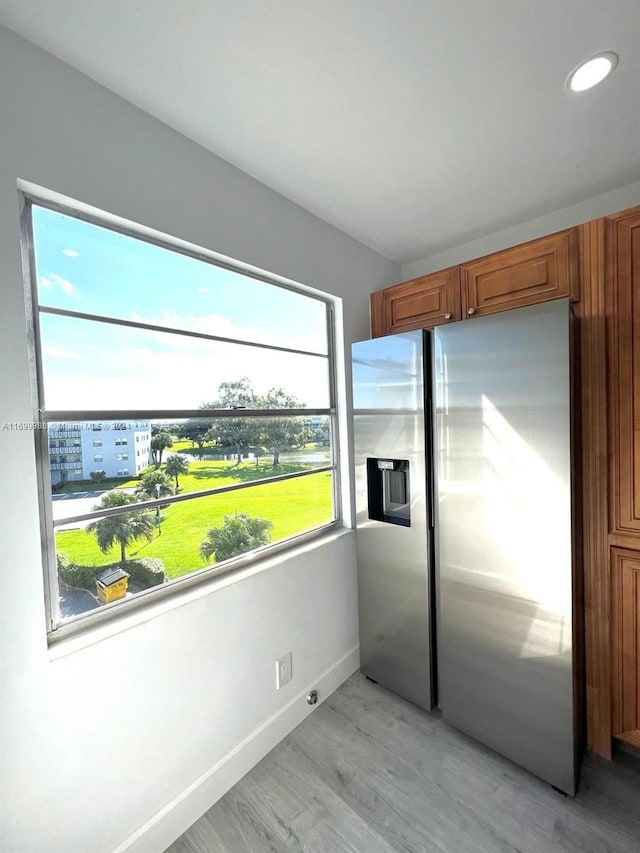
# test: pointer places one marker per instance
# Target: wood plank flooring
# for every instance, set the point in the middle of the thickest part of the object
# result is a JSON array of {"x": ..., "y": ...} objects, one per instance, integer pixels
[{"x": 368, "y": 772}]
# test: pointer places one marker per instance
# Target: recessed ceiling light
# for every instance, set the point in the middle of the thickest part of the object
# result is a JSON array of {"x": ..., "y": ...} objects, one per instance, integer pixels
[{"x": 591, "y": 72}]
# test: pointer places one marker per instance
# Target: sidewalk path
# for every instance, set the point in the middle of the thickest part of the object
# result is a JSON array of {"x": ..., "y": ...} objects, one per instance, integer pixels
[{"x": 66, "y": 506}]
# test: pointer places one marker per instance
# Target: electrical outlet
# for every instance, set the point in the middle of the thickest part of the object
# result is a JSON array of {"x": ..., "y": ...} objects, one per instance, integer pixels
[{"x": 283, "y": 670}]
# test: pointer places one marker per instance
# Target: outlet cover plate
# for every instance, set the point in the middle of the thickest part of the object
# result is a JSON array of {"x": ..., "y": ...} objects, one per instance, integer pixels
[{"x": 284, "y": 671}]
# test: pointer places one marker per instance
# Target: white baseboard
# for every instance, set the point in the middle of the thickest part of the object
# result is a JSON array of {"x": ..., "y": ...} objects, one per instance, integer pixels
[{"x": 170, "y": 822}]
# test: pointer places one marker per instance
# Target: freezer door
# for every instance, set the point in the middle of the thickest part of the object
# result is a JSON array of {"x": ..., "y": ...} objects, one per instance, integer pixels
[
  {"x": 393, "y": 539},
  {"x": 504, "y": 535}
]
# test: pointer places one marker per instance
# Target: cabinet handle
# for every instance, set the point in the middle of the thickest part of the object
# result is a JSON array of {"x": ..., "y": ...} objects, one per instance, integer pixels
[
  {"x": 447, "y": 316},
  {"x": 471, "y": 311}
]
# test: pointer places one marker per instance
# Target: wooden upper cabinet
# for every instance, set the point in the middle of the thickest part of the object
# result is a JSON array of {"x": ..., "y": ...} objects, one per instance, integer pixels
[
  {"x": 622, "y": 278},
  {"x": 417, "y": 304},
  {"x": 625, "y": 647},
  {"x": 525, "y": 275}
]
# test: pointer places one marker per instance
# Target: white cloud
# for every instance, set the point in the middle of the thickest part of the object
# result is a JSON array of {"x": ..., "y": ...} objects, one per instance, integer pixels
[
  {"x": 150, "y": 378},
  {"x": 154, "y": 369},
  {"x": 45, "y": 282},
  {"x": 62, "y": 354},
  {"x": 216, "y": 324},
  {"x": 203, "y": 290},
  {"x": 64, "y": 285},
  {"x": 71, "y": 253}
]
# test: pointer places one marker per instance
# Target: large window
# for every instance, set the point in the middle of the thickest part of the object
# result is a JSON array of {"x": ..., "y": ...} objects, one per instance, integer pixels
[{"x": 223, "y": 381}]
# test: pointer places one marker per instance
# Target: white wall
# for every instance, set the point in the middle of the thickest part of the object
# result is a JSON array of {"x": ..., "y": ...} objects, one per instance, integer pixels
[
  {"x": 567, "y": 217},
  {"x": 138, "y": 451},
  {"x": 147, "y": 722}
]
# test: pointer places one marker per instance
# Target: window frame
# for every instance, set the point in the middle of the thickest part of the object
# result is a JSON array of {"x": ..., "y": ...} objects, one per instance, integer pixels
[{"x": 56, "y": 629}]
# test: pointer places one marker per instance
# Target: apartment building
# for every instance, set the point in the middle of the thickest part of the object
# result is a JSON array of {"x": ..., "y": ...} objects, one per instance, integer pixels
[{"x": 119, "y": 448}]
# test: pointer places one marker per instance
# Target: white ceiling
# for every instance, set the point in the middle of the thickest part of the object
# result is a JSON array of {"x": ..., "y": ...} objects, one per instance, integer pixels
[{"x": 413, "y": 125}]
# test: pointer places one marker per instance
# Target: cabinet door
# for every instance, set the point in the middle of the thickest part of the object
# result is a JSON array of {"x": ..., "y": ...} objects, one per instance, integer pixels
[
  {"x": 525, "y": 275},
  {"x": 417, "y": 304},
  {"x": 625, "y": 624},
  {"x": 623, "y": 328}
]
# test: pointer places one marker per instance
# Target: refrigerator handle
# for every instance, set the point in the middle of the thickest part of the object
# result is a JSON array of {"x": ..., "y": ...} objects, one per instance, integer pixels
[
  {"x": 429, "y": 432},
  {"x": 430, "y": 464}
]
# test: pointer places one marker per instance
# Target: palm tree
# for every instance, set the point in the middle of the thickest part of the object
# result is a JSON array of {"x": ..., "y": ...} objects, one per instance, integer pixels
[
  {"x": 239, "y": 534},
  {"x": 149, "y": 483},
  {"x": 159, "y": 442},
  {"x": 175, "y": 465},
  {"x": 124, "y": 528}
]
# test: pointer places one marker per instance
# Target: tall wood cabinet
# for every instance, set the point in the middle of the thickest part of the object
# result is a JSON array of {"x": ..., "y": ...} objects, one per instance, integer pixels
[
  {"x": 597, "y": 265},
  {"x": 625, "y": 636},
  {"x": 622, "y": 283},
  {"x": 623, "y": 329}
]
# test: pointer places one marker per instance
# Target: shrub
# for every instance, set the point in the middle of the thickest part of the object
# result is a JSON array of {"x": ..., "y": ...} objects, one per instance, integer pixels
[
  {"x": 239, "y": 534},
  {"x": 146, "y": 572},
  {"x": 78, "y": 576}
]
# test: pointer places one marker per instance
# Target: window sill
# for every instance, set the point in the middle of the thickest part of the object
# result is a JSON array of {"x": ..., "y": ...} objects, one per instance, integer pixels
[{"x": 71, "y": 639}]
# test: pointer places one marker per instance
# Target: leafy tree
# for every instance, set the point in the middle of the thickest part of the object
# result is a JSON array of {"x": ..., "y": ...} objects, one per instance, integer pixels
[
  {"x": 98, "y": 476},
  {"x": 148, "y": 483},
  {"x": 159, "y": 442},
  {"x": 321, "y": 434},
  {"x": 176, "y": 465},
  {"x": 122, "y": 529},
  {"x": 239, "y": 534},
  {"x": 234, "y": 433},
  {"x": 235, "y": 394},
  {"x": 280, "y": 434},
  {"x": 276, "y": 434},
  {"x": 195, "y": 431}
]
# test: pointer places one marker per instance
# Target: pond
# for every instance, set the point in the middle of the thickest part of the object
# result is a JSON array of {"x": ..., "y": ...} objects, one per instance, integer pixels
[{"x": 311, "y": 457}]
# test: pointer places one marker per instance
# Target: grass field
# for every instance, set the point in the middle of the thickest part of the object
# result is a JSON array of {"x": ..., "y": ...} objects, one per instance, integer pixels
[
  {"x": 292, "y": 505},
  {"x": 218, "y": 471},
  {"x": 212, "y": 473}
]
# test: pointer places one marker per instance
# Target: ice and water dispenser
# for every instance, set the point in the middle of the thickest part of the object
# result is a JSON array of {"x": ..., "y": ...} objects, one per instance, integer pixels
[{"x": 388, "y": 491}]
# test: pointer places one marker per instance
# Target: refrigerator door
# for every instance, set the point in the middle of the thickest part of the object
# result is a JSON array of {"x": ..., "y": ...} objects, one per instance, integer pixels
[
  {"x": 504, "y": 526},
  {"x": 393, "y": 535}
]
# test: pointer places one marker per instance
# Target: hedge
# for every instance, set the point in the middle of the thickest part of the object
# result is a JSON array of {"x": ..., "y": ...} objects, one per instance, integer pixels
[{"x": 146, "y": 572}]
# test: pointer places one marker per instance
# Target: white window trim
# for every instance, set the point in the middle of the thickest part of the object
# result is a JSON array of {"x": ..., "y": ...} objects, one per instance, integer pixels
[{"x": 31, "y": 195}]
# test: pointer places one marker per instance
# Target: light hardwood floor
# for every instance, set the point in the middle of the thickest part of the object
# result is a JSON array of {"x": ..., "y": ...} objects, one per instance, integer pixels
[{"x": 368, "y": 772}]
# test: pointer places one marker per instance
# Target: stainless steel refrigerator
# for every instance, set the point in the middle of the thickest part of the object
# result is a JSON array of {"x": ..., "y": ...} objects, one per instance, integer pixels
[
  {"x": 393, "y": 467},
  {"x": 464, "y": 529}
]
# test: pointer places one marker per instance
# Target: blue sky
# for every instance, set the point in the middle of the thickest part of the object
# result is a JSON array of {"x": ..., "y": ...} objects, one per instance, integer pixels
[{"x": 86, "y": 268}]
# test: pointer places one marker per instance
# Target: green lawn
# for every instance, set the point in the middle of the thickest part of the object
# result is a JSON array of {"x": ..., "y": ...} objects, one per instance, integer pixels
[
  {"x": 210, "y": 474},
  {"x": 205, "y": 474},
  {"x": 184, "y": 445},
  {"x": 292, "y": 505}
]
